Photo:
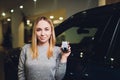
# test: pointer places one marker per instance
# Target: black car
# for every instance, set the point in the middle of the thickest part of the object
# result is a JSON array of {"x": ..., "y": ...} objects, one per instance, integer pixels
[{"x": 94, "y": 38}]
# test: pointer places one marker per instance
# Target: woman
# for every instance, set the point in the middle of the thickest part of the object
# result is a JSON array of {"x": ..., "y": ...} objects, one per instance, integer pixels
[{"x": 42, "y": 60}]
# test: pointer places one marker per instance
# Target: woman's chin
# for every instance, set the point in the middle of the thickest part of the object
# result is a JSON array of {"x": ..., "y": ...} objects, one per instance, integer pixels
[{"x": 43, "y": 41}]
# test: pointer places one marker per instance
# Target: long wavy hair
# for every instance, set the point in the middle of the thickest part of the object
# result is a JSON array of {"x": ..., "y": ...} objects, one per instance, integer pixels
[{"x": 52, "y": 40}]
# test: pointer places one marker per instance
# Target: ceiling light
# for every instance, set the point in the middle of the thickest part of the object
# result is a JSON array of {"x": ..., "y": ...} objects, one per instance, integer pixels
[
  {"x": 21, "y": 7},
  {"x": 51, "y": 17},
  {"x": 60, "y": 18},
  {"x": 11, "y": 10},
  {"x": 8, "y": 19},
  {"x": 57, "y": 21},
  {"x": 3, "y": 14},
  {"x": 35, "y": 0},
  {"x": 28, "y": 22}
]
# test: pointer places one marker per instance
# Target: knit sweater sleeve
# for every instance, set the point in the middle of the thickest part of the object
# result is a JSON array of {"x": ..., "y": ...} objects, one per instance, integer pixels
[
  {"x": 60, "y": 68},
  {"x": 21, "y": 68}
]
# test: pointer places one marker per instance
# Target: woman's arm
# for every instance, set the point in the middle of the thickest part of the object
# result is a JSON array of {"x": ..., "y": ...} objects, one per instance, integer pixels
[
  {"x": 62, "y": 64},
  {"x": 21, "y": 68},
  {"x": 60, "y": 69}
]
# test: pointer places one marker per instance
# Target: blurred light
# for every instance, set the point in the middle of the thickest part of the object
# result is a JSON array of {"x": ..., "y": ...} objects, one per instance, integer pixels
[
  {"x": 35, "y": 0},
  {"x": 29, "y": 25},
  {"x": 105, "y": 57},
  {"x": 84, "y": 12},
  {"x": 28, "y": 22},
  {"x": 21, "y": 7},
  {"x": 51, "y": 17},
  {"x": 11, "y": 10},
  {"x": 60, "y": 18},
  {"x": 92, "y": 38},
  {"x": 112, "y": 59},
  {"x": 8, "y": 19},
  {"x": 81, "y": 54},
  {"x": 71, "y": 73},
  {"x": 57, "y": 21},
  {"x": 3, "y": 14},
  {"x": 86, "y": 74}
]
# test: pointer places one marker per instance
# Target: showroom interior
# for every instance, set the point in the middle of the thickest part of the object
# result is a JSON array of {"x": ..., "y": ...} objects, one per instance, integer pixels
[{"x": 17, "y": 18}]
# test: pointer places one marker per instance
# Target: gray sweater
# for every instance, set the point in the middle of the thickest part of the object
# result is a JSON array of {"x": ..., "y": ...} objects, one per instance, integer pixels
[{"x": 41, "y": 68}]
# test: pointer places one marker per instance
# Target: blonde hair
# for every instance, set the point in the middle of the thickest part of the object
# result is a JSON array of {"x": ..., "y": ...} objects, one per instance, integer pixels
[{"x": 52, "y": 39}]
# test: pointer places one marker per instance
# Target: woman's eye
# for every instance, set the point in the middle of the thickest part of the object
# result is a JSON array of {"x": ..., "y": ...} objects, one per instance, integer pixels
[
  {"x": 46, "y": 29},
  {"x": 38, "y": 29}
]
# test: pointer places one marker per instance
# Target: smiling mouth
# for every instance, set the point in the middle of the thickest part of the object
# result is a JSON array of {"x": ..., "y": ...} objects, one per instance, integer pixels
[{"x": 42, "y": 38}]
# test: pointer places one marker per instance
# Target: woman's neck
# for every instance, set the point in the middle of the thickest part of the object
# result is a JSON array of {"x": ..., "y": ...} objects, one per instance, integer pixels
[{"x": 43, "y": 44}]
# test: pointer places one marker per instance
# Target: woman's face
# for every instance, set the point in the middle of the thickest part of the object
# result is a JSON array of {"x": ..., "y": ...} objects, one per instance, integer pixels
[{"x": 43, "y": 31}]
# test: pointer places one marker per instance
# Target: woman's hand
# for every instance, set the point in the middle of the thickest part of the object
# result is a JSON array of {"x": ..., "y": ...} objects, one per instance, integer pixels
[{"x": 65, "y": 54}]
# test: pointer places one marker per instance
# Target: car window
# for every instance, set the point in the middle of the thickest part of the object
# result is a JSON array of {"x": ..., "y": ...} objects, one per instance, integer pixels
[{"x": 74, "y": 35}]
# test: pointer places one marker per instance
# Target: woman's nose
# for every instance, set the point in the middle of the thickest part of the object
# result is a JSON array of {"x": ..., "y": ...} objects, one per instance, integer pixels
[{"x": 43, "y": 32}]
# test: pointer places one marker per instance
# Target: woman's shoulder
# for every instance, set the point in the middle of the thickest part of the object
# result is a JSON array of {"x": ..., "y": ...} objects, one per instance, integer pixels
[
  {"x": 25, "y": 46},
  {"x": 57, "y": 49}
]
